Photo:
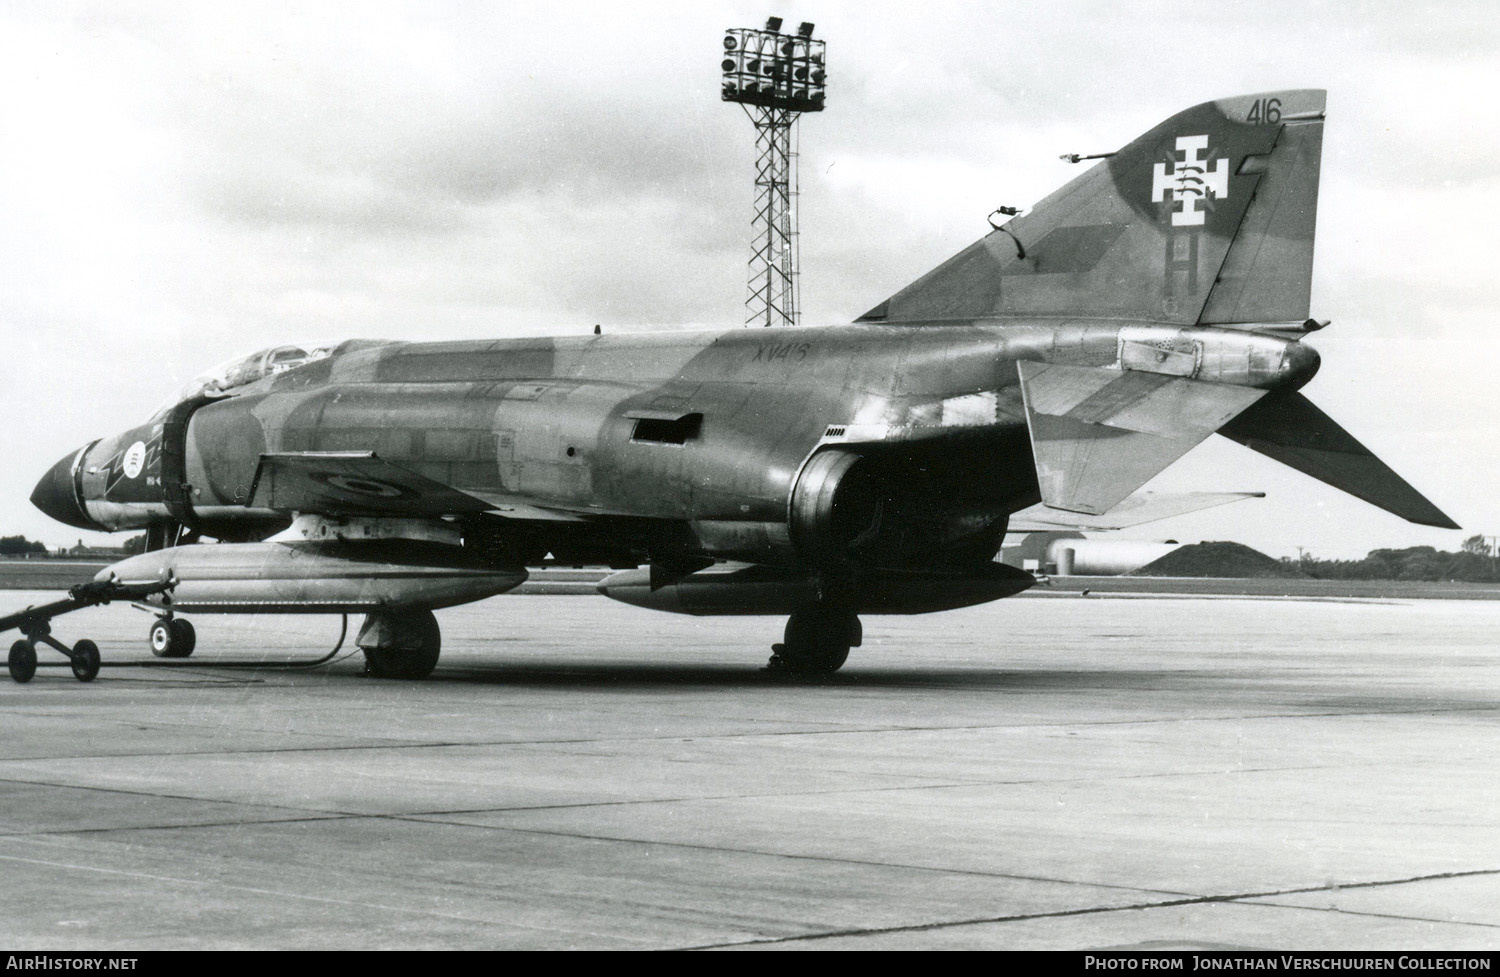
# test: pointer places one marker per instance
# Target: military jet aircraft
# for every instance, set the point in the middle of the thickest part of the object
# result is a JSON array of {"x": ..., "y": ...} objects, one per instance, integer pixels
[{"x": 1039, "y": 377}]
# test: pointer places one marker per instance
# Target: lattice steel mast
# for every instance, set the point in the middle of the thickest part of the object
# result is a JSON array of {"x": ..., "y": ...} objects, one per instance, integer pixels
[{"x": 775, "y": 77}]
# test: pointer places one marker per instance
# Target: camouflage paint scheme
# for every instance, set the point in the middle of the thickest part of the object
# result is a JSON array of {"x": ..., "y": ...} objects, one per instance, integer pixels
[{"x": 1064, "y": 359}]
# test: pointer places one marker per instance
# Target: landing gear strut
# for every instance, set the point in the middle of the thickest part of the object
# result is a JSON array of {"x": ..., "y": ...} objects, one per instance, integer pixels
[
  {"x": 400, "y": 644},
  {"x": 816, "y": 642}
]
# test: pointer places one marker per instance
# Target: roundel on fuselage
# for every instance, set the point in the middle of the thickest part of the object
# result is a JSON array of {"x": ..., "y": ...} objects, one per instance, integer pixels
[{"x": 135, "y": 460}]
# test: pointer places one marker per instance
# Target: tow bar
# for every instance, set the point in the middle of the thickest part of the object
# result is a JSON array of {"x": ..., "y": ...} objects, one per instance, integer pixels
[{"x": 36, "y": 624}]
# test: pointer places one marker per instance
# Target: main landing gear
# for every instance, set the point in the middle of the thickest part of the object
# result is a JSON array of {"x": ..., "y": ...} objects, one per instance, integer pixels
[
  {"x": 400, "y": 644},
  {"x": 816, "y": 642}
]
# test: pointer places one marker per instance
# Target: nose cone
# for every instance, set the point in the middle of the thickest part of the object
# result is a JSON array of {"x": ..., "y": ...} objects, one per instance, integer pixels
[
  {"x": 1299, "y": 364},
  {"x": 56, "y": 496}
]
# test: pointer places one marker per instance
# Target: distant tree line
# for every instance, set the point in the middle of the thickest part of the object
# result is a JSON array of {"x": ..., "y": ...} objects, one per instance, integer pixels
[
  {"x": 1476, "y": 561},
  {"x": 20, "y": 546}
]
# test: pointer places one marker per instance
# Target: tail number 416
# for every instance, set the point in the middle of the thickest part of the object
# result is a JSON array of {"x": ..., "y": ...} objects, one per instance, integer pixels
[{"x": 1265, "y": 111}]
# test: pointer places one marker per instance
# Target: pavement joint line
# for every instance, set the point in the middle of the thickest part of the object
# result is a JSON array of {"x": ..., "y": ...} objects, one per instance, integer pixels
[
  {"x": 439, "y": 815},
  {"x": 1366, "y": 912},
  {"x": 1095, "y": 910},
  {"x": 794, "y": 856},
  {"x": 164, "y": 796},
  {"x": 179, "y": 827},
  {"x": 436, "y": 816},
  {"x": 949, "y": 785},
  {"x": 465, "y": 744},
  {"x": 405, "y": 911}
]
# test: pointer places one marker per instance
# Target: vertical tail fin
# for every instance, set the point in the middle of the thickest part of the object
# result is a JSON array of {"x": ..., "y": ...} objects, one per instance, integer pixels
[{"x": 1209, "y": 218}]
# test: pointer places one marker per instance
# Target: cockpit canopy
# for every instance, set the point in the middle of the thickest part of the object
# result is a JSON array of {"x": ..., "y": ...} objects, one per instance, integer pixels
[
  {"x": 267, "y": 362},
  {"x": 244, "y": 370}
]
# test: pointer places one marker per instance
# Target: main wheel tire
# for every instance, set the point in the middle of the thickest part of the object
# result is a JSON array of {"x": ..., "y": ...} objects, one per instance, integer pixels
[
  {"x": 414, "y": 642},
  {"x": 162, "y": 639},
  {"x": 184, "y": 638},
  {"x": 22, "y": 661},
  {"x": 85, "y": 660},
  {"x": 817, "y": 641}
]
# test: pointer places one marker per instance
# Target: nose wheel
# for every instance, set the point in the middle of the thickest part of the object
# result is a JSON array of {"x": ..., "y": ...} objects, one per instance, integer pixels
[{"x": 172, "y": 637}]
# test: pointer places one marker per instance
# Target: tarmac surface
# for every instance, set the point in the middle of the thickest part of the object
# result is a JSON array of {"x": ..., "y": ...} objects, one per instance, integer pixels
[{"x": 1072, "y": 773}]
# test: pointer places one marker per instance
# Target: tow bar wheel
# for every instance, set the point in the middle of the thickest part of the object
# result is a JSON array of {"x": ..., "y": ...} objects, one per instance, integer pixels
[
  {"x": 85, "y": 660},
  {"x": 22, "y": 661}
]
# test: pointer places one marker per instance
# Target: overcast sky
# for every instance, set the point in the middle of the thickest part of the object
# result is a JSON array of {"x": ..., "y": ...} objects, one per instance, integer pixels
[{"x": 180, "y": 183}]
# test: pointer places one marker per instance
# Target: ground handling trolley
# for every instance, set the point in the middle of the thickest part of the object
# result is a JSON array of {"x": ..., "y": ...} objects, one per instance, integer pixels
[{"x": 36, "y": 624}]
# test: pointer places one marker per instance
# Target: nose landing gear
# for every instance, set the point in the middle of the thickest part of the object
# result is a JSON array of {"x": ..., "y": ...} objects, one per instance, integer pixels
[{"x": 172, "y": 637}]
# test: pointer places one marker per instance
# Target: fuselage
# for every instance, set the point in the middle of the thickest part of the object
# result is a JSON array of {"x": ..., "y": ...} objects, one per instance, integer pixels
[{"x": 690, "y": 442}]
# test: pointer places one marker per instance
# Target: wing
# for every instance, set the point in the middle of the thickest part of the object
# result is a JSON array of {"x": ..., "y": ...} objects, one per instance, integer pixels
[
  {"x": 352, "y": 483},
  {"x": 1098, "y": 435}
]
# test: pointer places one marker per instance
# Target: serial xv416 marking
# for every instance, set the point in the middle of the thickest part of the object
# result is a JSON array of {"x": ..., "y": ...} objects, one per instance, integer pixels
[
  {"x": 781, "y": 351},
  {"x": 1159, "y": 298}
]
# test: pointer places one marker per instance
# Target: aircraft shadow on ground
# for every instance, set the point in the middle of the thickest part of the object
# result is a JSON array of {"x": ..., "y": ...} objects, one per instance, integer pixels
[
  {"x": 1233, "y": 690},
  {"x": 1258, "y": 690},
  {"x": 668, "y": 675}
]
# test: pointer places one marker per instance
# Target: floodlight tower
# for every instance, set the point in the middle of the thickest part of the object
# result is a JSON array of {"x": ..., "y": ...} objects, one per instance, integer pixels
[{"x": 775, "y": 77}]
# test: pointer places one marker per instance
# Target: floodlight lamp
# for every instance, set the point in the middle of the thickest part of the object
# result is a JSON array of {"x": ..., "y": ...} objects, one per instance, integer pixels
[
  {"x": 786, "y": 48},
  {"x": 730, "y": 43},
  {"x": 728, "y": 64},
  {"x": 773, "y": 24},
  {"x": 801, "y": 72},
  {"x": 805, "y": 30}
]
